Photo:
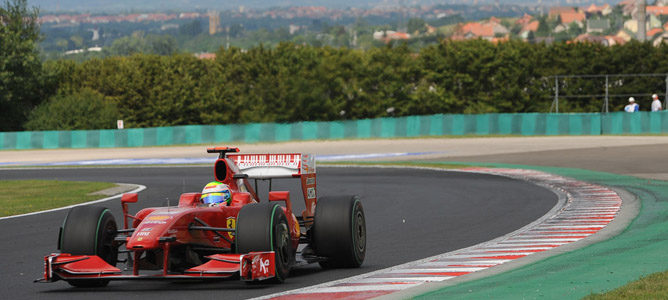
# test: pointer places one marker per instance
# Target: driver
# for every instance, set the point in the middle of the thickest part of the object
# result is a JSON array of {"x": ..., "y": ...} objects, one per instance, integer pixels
[{"x": 216, "y": 193}]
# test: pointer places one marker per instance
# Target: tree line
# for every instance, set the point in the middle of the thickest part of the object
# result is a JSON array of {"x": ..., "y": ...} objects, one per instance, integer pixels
[{"x": 291, "y": 83}]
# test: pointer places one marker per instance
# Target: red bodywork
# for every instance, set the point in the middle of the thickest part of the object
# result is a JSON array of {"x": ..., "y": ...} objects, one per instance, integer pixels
[{"x": 162, "y": 237}]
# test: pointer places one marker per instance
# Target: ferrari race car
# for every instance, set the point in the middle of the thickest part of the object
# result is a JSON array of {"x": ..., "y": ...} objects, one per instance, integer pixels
[{"x": 246, "y": 238}]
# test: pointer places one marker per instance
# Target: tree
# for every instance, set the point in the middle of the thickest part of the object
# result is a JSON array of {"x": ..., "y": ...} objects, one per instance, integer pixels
[
  {"x": 138, "y": 43},
  {"x": 544, "y": 27},
  {"x": 416, "y": 25},
  {"x": 86, "y": 109},
  {"x": 20, "y": 65}
]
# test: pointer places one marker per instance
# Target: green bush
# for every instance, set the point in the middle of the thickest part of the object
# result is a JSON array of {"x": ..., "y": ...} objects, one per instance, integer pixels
[{"x": 86, "y": 109}]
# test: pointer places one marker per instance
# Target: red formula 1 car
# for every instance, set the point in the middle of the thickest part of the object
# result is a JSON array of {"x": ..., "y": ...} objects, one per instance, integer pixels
[{"x": 247, "y": 239}]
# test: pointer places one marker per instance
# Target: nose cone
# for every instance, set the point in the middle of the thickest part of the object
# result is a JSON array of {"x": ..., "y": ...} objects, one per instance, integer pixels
[{"x": 149, "y": 231}]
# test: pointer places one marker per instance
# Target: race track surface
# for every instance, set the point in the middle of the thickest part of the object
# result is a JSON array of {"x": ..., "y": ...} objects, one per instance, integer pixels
[
  {"x": 646, "y": 161},
  {"x": 411, "y": 214}
]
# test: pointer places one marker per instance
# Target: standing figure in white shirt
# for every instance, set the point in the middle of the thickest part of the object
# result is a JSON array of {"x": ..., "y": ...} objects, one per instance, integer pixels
[
  {"x": 656, "y": 104},
  {"x": 632, "y": 106}
]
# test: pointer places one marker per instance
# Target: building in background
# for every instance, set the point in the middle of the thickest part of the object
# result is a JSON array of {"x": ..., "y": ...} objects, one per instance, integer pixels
[
  {"x": 641, "y": 17},
  {"x": 214, "y": 22}
]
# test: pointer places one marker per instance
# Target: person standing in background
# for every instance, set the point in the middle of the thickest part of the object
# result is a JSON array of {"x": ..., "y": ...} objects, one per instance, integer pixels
[
  {"x": 656, "y": 104},
  {"x": 632, "y": 106}
]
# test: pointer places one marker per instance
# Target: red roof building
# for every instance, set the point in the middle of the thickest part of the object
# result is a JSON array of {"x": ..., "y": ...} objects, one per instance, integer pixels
[
  {"x": 601, "y": 10},
  {"x": 558, "y": 10},
  {"x": 657, "y": 10},
  {"x": 205, "y": 55},
  {"x": 570, "y": 17},
  {"x": 533, "y": 26},
  {"x": 524, "y": 20},
  {"x": 654, "y": 31}
]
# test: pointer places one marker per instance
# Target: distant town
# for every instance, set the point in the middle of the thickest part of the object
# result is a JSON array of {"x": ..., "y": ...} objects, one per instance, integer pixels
[{"x": 362, "y": 28}]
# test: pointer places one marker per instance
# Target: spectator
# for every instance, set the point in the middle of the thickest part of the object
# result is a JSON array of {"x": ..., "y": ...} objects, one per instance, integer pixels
[
  {"x": 656, "y": 104},
  {"x": 632, "y": 106}
]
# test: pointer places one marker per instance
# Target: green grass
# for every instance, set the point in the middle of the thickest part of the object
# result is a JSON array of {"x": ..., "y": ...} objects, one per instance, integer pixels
[
  {"x": 24, "y": 196},
  {"x": 653, "y": 286}
]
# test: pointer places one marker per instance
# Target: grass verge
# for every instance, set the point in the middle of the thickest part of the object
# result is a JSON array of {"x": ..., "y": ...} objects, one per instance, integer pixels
[
  {"x": 25, "y": 196},
  {"x": 654, "y": 286}
]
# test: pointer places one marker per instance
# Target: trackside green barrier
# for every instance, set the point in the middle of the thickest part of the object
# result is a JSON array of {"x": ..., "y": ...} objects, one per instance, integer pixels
[{"x": 528, "y": 124}]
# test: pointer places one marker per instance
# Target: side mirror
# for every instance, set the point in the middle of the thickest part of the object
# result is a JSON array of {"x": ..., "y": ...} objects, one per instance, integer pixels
[
  {"x": 129, "y": 198},
  {"x": 125, "y": 199}
]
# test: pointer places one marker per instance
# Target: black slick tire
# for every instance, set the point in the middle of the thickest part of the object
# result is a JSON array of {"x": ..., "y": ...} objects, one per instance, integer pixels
[
  {"x": 264, "y": 227},
  {"x": 90, "y": 230},
  {"x": 339, "y": 231}
]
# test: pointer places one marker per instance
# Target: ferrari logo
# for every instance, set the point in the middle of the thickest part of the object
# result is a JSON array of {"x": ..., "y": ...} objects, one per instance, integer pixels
[{"x": 231, "y": 224}]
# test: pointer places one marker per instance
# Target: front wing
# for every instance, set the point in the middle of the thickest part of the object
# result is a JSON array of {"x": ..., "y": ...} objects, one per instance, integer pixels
[{"x": 249, "y": 267}]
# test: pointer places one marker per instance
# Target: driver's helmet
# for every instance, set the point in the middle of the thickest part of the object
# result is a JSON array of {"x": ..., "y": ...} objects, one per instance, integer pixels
[{"x": 216, "y": 193}]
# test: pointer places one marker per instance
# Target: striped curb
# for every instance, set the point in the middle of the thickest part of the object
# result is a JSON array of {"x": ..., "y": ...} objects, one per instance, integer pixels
[{"x": 587, "y": 209}]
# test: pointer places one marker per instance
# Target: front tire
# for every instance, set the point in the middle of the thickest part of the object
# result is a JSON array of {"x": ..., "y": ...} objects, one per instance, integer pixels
[
  {"x": 90, "y": 230},
  {"x": 264, "y": 227},
  {"x": 339, "y": 231}
]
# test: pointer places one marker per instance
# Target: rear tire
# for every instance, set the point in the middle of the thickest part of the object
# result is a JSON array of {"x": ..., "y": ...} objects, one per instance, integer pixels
[
  {"x": 90, "y": 230},
  {"x": 339, "y": 231},
  {"x": 264, "y": 227}
]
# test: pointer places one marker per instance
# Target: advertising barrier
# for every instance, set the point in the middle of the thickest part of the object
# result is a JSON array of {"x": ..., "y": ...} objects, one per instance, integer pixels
[{"x": 528, "y": 124}]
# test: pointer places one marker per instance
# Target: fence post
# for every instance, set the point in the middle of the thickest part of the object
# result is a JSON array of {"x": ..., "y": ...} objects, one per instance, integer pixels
[
  {"x": 556, "y": 92},
  {"x": 665, "y": 97},
  {"x": 606, "y": 94}
]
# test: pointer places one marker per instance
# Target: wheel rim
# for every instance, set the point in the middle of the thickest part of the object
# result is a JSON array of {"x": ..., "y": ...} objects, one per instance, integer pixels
[
  {"x": 282, "y": 244},
  {"x": 107, "y": 249},
  {"x": 359, "y": 233}
]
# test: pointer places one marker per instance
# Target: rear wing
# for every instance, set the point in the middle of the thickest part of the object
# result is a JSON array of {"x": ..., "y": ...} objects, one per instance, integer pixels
[
  {"x": 283, "y": 165},
  {"x": 271, "y": 166},
  {"x": 267, "y": 166}
]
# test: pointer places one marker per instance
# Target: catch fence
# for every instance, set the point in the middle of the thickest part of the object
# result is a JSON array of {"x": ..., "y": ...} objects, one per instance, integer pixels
[{"x": 612, "y": 89}]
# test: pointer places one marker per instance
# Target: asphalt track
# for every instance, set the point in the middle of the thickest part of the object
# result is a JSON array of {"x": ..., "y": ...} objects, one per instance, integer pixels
[{"x": 411, "y": 214}]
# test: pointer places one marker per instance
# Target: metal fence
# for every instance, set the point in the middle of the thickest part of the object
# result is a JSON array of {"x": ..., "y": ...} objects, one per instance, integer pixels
[{"x": 616, "y": 82}]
